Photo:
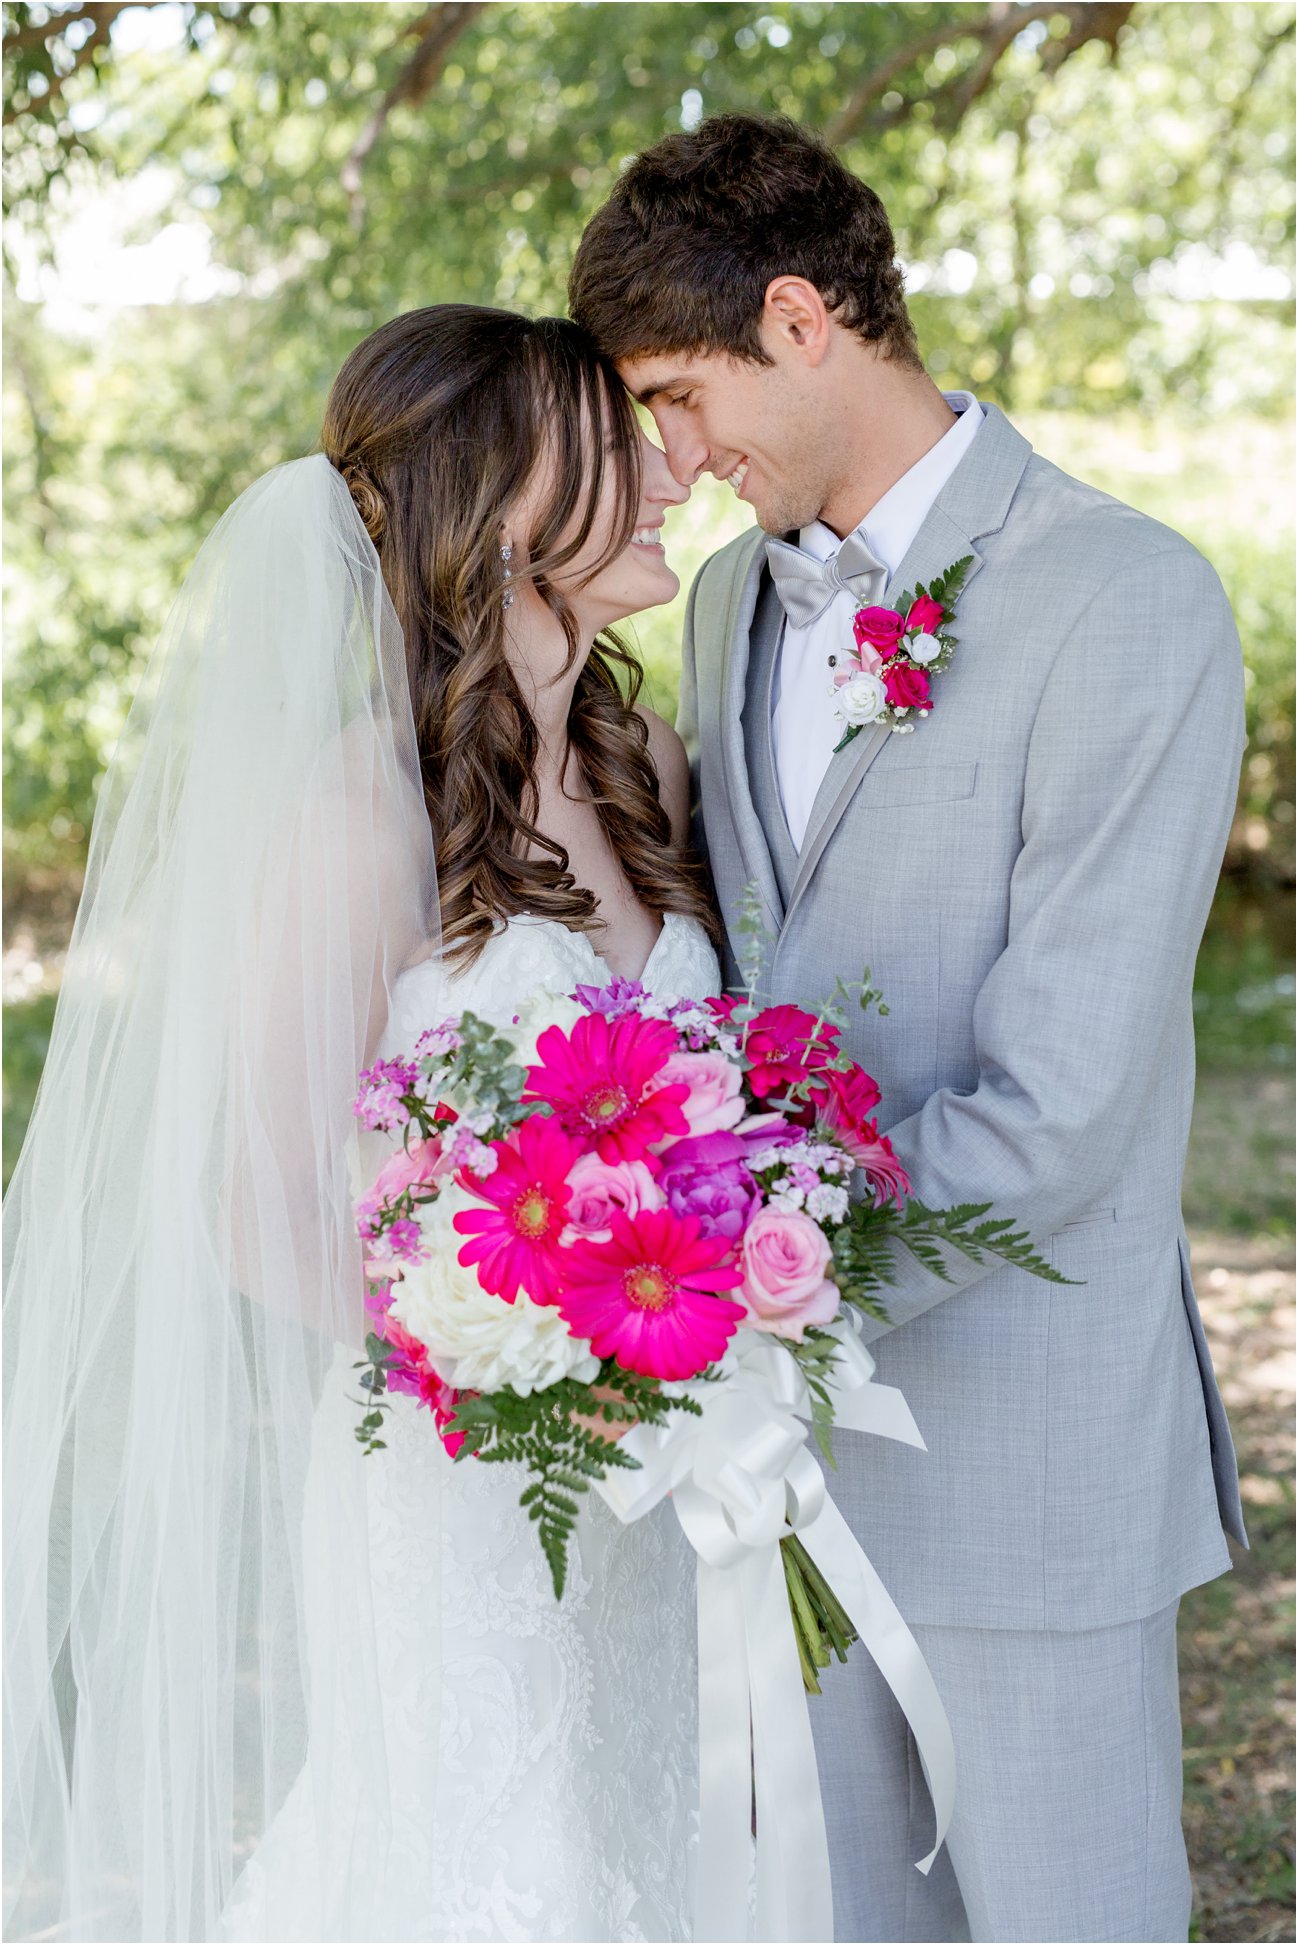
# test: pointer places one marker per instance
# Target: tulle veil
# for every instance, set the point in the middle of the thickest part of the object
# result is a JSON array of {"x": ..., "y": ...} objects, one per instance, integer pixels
[{"x": 180, "y": 1261}]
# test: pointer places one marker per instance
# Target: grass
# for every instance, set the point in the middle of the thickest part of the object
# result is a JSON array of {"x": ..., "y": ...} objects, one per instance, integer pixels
[{"x": 1237, "y": 1633}]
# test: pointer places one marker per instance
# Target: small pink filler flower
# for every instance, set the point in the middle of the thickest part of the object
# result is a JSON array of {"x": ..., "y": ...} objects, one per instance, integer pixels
[
  {"x": 648, "y": 1298},
  {"x": 513, "y": 1242},
  {"x": 599, "y": 1079}
]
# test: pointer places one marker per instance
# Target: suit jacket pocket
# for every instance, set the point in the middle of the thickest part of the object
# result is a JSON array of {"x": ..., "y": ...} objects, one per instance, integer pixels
[
  {"x": 1091, "y": 1216},
  {"x": 889, "y": 787}
]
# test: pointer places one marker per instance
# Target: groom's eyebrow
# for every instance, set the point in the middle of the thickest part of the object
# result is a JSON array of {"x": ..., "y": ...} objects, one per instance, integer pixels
[{"x": 650, "y": 392}]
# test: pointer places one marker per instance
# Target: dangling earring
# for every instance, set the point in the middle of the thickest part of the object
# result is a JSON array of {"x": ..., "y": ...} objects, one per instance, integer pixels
[{"x": 506, "y": 556}]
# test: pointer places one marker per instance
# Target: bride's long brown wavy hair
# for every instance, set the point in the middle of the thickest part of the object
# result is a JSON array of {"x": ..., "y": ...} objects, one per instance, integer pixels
[{"x": 437, "y": 422}]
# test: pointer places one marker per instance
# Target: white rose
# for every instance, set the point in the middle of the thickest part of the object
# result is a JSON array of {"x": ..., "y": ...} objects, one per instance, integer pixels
[
  {"x": 535, "y": 1015},
  {"x": 476, "y": 1341},
  {"x": 862, "y": 699},
  {"x": 923, "y": 649}
]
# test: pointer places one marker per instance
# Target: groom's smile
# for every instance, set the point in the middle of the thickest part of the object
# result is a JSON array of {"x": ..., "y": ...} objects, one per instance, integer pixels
[{"x": 757, "y": 426}]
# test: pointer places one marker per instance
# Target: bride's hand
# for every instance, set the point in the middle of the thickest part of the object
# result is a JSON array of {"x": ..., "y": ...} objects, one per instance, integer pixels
[{"x": 605, "y": 1428}]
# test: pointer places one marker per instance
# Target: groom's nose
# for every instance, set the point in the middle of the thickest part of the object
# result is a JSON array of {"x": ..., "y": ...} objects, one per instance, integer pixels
[{"x": 687, "y": 454}]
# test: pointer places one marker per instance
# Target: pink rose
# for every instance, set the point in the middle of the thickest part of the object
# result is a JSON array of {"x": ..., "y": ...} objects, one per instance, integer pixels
[
  {"x": 880, "y": 627},
  {"x": 599, "y": 1189},
  {"x": 379, "y": 1270},
  {"x": 906, "y": 685},
  {"x": 784, "y": 1256},
  {"x": 408, "y": 1168},
  {"x": 925, "y": 614},
  {"x": 866, "y": 658},
  {"x": 714, "y": 1100}
]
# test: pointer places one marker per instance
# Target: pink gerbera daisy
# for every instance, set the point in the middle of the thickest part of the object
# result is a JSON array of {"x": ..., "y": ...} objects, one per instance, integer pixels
[
  {"x": 599, "y": 1079},
  {"x": 647, "y": 1297},
  {"x": 514, "y": 1240}
]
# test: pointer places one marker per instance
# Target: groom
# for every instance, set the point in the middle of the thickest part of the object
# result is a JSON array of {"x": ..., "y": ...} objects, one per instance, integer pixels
[{"x": 1026, "y": 869}]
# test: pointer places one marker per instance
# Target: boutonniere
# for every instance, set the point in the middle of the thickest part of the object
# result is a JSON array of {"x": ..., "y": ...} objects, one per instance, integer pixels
[{"x": 888, "y": 677}]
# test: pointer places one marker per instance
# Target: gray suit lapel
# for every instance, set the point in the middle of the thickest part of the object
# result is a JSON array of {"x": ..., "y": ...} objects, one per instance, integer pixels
[
  {"x": 765, "y": 643},
  {"x": 973, "y": 503},
  {"x": 754, "y": 851}
]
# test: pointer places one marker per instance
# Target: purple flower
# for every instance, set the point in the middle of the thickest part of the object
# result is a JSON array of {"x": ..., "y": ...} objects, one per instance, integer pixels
[
  {"x": 705, "y": 1176},
  {"x": 618, "y": 997},
  {"x": 379, "y": 1103},
  {"x": 763, "y": 1135}
]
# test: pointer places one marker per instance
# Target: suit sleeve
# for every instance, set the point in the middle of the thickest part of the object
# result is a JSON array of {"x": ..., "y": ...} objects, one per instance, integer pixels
[{"x": 1130, "y": 785}]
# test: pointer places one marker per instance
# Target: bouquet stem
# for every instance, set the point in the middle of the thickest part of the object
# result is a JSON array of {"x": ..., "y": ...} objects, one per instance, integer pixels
[{"x": 820, "y": 1625}]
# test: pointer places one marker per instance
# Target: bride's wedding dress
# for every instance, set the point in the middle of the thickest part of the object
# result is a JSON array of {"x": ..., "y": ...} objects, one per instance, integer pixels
[{"x": 541, "y": 1757}]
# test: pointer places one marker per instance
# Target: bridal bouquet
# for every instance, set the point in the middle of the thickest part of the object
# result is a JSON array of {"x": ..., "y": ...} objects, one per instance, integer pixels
[{"x": 609, "y": 1209}]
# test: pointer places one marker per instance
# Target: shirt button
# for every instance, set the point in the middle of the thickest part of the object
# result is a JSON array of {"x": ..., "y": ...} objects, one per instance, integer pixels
[{"x": 833, "y": 661}]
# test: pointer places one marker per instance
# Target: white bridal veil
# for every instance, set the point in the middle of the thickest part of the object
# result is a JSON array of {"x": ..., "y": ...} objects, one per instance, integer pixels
[{"x": 180, "y": 1258}]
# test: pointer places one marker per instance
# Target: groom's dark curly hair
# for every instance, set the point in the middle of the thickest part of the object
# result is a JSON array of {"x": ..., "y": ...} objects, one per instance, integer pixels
[{"x": 679, "y": 257}]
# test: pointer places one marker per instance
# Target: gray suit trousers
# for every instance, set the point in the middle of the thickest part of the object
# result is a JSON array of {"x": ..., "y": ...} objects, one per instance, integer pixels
[{"x": 1068, "y": 1799}]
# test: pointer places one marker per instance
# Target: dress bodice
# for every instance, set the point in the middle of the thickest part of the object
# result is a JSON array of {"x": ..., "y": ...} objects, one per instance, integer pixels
[{"x": 532, "y": 955}]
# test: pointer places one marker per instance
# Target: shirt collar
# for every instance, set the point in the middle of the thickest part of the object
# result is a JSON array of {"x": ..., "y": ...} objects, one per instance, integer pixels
[{"x": 895, "y": 519}]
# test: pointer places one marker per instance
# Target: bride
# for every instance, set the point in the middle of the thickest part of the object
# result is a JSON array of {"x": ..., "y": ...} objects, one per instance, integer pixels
[{"x": 387, "y": 763}]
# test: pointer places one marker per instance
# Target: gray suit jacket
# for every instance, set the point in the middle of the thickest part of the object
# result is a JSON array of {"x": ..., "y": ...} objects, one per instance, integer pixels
[{"x": 1027, "y": 876}]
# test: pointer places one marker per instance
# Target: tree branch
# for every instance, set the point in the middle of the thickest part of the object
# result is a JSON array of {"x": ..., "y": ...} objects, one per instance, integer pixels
[
  {"x": 849, "y": 117},
  {"x": 999, "y": 27},
  {"x": 438, "y": 30},
  {"x": 100, "y": 13}
]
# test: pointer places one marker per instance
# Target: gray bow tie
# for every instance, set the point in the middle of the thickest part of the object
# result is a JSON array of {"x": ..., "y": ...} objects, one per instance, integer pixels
[{"x": 806, "y": 586}]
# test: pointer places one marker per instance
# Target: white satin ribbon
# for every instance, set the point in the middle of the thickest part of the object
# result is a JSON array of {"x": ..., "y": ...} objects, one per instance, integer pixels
[{"x": 740, "y": 1476}]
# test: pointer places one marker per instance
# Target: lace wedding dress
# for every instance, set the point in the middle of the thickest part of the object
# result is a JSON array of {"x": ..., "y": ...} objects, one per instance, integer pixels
[{"x": 541, "y": 1759}]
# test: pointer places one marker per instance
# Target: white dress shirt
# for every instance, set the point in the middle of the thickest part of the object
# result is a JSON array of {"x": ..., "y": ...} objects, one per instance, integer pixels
[{"x": 803, "y": 727}]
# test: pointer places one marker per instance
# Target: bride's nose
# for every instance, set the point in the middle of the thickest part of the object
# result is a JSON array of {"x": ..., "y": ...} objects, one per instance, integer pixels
[{"x": 659, "y": 484}]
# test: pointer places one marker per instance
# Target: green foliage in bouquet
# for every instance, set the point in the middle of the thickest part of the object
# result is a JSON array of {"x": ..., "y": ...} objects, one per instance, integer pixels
[
  {"x": 542, "y": 1431},
  {"x": 863, "y": 1255},
  {"x": 483, "y": 1070},
  {"x": 373, "y": 1368}
]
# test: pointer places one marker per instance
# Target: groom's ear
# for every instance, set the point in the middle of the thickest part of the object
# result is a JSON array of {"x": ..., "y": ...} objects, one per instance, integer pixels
[{"x": 794, "y": 315}]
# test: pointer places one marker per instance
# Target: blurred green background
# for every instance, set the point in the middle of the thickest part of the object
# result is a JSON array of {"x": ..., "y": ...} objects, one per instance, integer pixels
[{"x": 207, "y": 206}]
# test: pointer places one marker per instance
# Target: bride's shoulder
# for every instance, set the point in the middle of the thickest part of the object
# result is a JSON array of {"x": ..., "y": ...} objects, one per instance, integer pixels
[{"x": 667, "y": 754}]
